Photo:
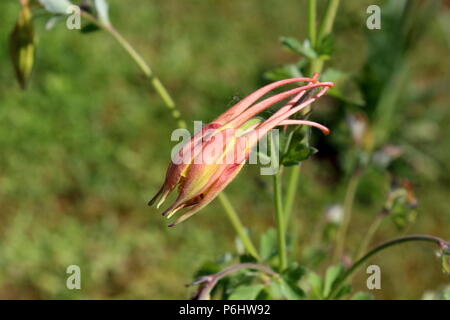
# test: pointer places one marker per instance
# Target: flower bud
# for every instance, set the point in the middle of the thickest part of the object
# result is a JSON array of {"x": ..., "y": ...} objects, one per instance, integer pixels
[{"x": 22, "y": 46}]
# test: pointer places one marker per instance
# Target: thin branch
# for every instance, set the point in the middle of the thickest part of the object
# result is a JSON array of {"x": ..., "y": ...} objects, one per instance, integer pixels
[{"x": 444, "y": 245}]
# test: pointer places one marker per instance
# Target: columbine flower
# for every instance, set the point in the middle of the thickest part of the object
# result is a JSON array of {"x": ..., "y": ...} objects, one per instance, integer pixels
[{"x": 216, "y": 154}]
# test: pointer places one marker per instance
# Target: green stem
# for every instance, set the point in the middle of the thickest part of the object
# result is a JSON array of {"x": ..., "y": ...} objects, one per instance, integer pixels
[
  {"x": 237, "y": 225},
  {"x": 279, "y": 221},
  {"x": 316, "y": 65},
  {"x": 295, "y": 171},
  {"x": 369, "y": 235},
  {"x": 312, "y": 22},
  {"x": 290, "y": 193},
  {"x": 348, "y": 206},
  {"x": 170, "y": 104},
  {"x": 145, "y": 68},
  {"x": 440, "y": 242},
  {"x": 328, "y": 20}
]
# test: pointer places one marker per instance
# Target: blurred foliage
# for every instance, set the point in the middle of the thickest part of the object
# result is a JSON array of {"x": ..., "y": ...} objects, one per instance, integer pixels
[{"x": 83, "y": 149}]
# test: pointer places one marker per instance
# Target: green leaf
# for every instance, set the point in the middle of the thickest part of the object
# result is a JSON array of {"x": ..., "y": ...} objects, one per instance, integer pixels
[
  {"x": 331, "y": 275},
  {"x": 304, "y": 48},
  {"x": 102, "y": 11},
  {"x": 298, "y": 148},
  {"x": 343, "y": 291},
  {"x": 246, "y": 292},
  {"x": 56, "y": 6},
  {"x": 316, "y": 283},
  {"x": 326, "y": 47},
  {"x": 294, "y": 273},
  {"x": 288, "y": 290},
  {"x": 268, "y": 244},
  {"x": 362, "y": 296},
  {"x": 283, "y": 72}
]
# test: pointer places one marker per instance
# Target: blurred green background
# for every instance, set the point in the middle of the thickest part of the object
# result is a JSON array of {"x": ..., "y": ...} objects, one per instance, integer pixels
[{"x": 86, "y": 146}]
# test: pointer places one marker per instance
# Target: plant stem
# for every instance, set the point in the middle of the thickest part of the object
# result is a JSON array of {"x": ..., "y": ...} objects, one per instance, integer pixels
[
  {"x": 312, "y": 22},
  {"x": 440, "y": 242},
  {"x": 348, "y": 206},
  {"x": 279, "y": 221},
  {"x": 290, "y": 193},
  {"x": 369, "y": 235},
  {"x": 170, "y": 104},
  {"x": 237, "y": 225},
  {"x": 328, "y": 20},
  {"x": 145, "y": 68},
  {"x": 211, "y": 280},
  {"x": 316, "y": 65}
]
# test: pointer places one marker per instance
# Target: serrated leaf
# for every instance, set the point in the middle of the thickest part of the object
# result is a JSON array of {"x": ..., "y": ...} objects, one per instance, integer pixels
[
  {"x": 246, "y": 292},
  {"x": 331, "y": 275},
  {"x": 22, "y": 46},
  {"x": 56, "y": 6}
]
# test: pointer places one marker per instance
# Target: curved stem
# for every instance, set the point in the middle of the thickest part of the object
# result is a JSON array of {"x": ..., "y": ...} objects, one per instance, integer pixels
[
  {"x": 211, "y": 280},
  {"x": 145, "y": 68},
  {"x": 440, "y": 242},
  {"x": 237, "y": 225},
  {"x": 279, "y": 221}
]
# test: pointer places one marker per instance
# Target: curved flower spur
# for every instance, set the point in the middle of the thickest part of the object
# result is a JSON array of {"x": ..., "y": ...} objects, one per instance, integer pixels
[{"x": 213, "y": 157}]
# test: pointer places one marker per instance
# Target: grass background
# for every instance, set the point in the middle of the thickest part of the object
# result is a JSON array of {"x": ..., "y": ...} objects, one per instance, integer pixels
[{"x": 86, "y": 146}]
